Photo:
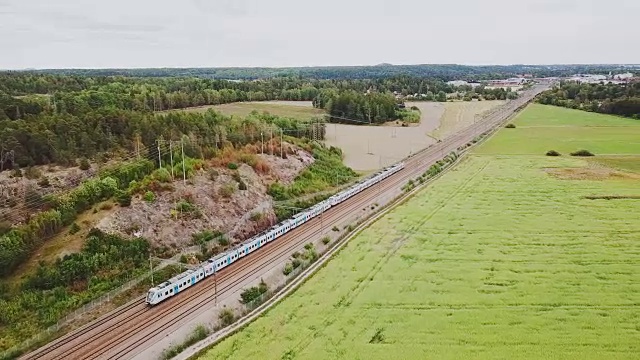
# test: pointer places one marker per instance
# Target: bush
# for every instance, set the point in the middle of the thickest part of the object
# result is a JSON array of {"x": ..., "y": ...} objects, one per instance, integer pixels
[
  {"x": 222, "y": 240},
  {"x": 232, "y": 166},
  {"x": 227, "y": 190},
  {"x": 552, "y": 153},
  {"x": 32, "y": 173},
  {"x": 510, "y": 126},
  {"x": 123, "y": 198},
  {"x": 582, "y": 153},
  {"x": 44, "y": 182},
  {"x": 326, "y": 240},
  {"x": 149, "y": 196},
  {"x": 74, "y": 228},
  {"x": 242, "y": 185},
  {"x": 106, "y": 206},
  {"x": 253, "y": 293},
  {"x": 335, "y": 228},
  {"x": 227, "y": 317},
  {"x": 205, "y": 236},
  {"x": 84, "y": 164},
  {"x": 288, "y": 268},
  {"x": 256, "y": 216},
  {"x": 213, "y": 174},
  {"x": 162, "y": 175}
]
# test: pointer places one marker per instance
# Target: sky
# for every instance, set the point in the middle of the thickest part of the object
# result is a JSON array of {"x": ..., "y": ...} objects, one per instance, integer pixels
[{"x": 279, "y": 33}]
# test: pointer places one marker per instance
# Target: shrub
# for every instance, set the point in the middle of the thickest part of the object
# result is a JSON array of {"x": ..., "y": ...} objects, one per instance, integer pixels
[
  {"x": 415, "y": 108},
  {"x": 335, "y": 228},
  {"x": 74, "y": 228},
  {"x": 227, "y": 190},
  {"x": 378, "y": 337},
  {"x": 16, "y": 173},
  {"x": 204, "y": 236},
  {"x": 510, "y": 126},
  {"x": 84, "y": 164},
  {"x": 582, "y": 153},
  {"x": 185, "y": 207},
  {"x": 106, "y": 206},
  {"x": 213, "y": 174},
  {"x": 227, "y": 317},
  {"x": 256, "y": 216},
  {"x": 183, "y": 258},
  {"x": 552, "y": 153},
  {"x": 149, "y": 196},
  {"x": 222, "y": 240},
  {"x": 253, "y": 293},
  {"x": 44, "y": 182},
  {"x": 123, "y": 198},
  {"x": 288, "y": 268},
  {"x": 296, "y": 263},
  {"x": 162, "y": 175},
  {"x": 242, "y": 185},
  {"x": 326, "y": 240},
  {"x": 32, "y": 173},
  {"x": 232, "y": 166}
]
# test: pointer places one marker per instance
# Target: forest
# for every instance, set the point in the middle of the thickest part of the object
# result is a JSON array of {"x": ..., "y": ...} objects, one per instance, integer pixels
[
  {"x": 443, "y": 72},
  {"x": 616, "y": 99}
]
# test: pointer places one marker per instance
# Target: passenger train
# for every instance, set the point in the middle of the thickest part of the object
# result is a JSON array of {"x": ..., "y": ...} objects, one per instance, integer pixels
[{"x": 189, "y": 278}]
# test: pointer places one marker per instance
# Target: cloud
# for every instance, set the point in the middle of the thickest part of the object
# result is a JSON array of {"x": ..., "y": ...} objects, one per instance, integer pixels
[{"x": 147, "y": 33}]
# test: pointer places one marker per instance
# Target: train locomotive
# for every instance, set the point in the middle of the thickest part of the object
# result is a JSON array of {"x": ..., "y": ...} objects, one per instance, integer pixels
[{"x": 213, "y": 265}]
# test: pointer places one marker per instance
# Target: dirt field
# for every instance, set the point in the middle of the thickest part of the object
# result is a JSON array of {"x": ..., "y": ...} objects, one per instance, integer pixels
[
  {"x": 295, "y": 109},
  {"x": 369, "y": 148},
  {"x": 459, "y": 115}
]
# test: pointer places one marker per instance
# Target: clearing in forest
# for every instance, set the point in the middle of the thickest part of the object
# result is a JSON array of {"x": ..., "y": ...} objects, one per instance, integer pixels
[
  {"x": 371, "y": 147},
  {"x": 497, "y": 259},
  {"x": 293, "y": 109}
]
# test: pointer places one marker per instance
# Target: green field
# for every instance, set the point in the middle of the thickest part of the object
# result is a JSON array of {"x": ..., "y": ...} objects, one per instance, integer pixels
[
  {"x": 243, "y": 109},
  {"x": 499, "y": 259},
  {"x": 545, "y": 127}
]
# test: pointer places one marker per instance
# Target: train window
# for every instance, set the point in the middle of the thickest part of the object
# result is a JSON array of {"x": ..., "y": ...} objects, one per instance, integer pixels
[{"x": 171, "y": 291}]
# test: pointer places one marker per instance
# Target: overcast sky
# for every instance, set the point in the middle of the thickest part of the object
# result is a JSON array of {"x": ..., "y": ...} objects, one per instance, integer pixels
[{"x": 212, "y": 33}]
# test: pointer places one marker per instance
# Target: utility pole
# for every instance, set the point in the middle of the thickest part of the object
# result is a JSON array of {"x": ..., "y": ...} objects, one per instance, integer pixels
[
  {"x": 171, "y": 153},
  {"x": 159, "y": 155},
  {"x": 184, "y": 173}
]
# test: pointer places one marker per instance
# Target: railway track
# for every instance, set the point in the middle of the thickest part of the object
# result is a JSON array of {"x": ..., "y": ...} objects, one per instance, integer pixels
[{"x": 128, "y": 330}]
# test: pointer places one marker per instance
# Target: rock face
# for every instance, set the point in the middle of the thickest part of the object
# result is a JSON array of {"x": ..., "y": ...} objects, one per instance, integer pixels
[{"x": 217, "y": 205}]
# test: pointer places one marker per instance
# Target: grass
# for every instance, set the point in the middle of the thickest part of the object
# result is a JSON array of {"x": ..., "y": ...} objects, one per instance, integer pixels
[
  {"x": 242, "y": 109},
  {"x": 625, "y": 163},
  {"x": 63, "y": 243},
  {"x": 544, "y": 127},
  {"x": 498, "y": 259}
]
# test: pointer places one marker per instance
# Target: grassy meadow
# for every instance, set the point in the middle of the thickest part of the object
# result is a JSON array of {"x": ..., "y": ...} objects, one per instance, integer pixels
[{"x": 501, "y": 258}]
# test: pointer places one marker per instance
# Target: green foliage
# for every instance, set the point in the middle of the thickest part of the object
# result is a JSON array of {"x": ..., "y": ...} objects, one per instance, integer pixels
[
  {"x": 288, "y": 268},
  {"x": 123, "y": 198},
  {"x": 186, "y": 209},
  {"x": 582, "y": 153},
  {"x": 615, "y": 99},
  {"x": 349, "y": 105},
  {"x": 510, "y": 126},
  {"x": 232, "y": 166},
  {"x": 206, "y": 236},
  {"x": 227, "y": 317},
  {"x": 326, "y": 240},
  {"x": 163, "y": 175},
  {"x": 84, "y": 164},
  {"x": 227, "y": 190},
  {"x": 335, "y": 228},
  {"x": 253, "y": 293},
  {"x": 44, "y": 182},
  {"x": 256, "y": 216},
  {"x": 199, "y": 333},
  {"x": 149, "y": 196},
  {"x": 213, "y": 174},
  {"x": 409, "y": 116},
  {"x": 552, "y": 153},
  {"x": 74, "y": 228},
  {"x": 327, "y": 171}
]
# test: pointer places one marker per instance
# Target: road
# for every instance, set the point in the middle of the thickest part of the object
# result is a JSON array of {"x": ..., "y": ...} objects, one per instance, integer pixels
[{"x": 129, "y": 330}]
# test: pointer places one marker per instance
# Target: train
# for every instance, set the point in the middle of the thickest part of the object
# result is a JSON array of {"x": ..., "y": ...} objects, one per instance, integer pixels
[{"x": 213, "y": 265}]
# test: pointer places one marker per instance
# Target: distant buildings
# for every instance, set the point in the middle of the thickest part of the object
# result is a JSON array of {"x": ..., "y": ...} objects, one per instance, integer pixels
[
  {"x": 457, "y": 83},
  {"x": 606, "y": 79}
]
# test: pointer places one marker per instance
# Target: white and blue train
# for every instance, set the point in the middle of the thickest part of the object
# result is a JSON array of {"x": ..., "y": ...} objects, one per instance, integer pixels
[{"x": 189, "y": 278}]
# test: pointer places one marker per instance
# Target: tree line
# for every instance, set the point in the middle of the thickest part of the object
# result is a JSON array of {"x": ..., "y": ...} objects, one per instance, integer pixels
[
  {"x": 444, "y": 72},
  {"x": 616, "y": 99}
]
